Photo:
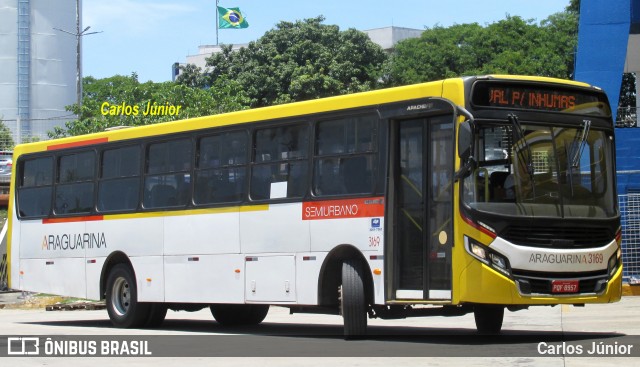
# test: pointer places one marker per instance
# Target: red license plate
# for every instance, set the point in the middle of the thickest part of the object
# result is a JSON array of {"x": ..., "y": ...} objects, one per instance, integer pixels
[{"x": 565, "y": 286}]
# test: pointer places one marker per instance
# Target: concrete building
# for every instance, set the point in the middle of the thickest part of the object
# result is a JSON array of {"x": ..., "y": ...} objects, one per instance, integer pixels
[
  {"x": 37, "y": 65},
  {"x": 386, "y": 37}
]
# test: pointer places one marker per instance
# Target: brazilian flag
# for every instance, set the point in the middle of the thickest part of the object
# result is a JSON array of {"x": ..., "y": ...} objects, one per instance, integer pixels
[{"x": 231, "y": 18}]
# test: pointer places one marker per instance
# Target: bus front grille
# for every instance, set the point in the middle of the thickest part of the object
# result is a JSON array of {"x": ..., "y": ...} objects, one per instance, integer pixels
[{"x": 558, "y": 237}]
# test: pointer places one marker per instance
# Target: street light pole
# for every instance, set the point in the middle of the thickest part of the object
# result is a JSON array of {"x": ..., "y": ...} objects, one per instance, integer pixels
[
  {"x": 78, "y": 34},
  {"x": 78, "y": 60}
]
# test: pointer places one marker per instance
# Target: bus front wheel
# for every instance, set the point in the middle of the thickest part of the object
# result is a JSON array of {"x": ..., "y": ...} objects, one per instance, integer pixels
[
  {"x": 353, "y": 304},
  {"x": 122, "y": 299},
  {"x": 488, "y": 318}
]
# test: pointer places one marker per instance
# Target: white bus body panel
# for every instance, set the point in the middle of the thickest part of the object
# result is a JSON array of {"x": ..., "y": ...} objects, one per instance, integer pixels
[
  {"x": 54, "y": 240},
  {"x": 204, "y": 278},
  {"x": 378, "y": 281},
  {"x": 63, "y": 276},
  {"x": 270, "y": 278},
  {"x": 202, "y": 234},
  {"x": 199, "y": 258},
  {"x": 135, "y": 237},
  {"x": 52, "y": 258},
  {"x": 279, "y": 229},
  {"x": 308, "y": 266},
  {"x": 93, "y": 268},
  {"x": 149, "y": 271},
  {"x": 326, "y": 234}
]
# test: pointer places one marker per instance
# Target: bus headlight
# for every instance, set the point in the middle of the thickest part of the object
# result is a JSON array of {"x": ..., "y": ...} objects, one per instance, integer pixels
[
  {"x": 498, "y": 261},
  {"x": 478, "y": 251},
  {"x": 488, "y": 256},
  {"x": 614, "y": 262}
]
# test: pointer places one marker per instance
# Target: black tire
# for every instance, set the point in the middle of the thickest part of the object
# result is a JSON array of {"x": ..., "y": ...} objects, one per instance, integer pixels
[
  {"x": 122, "y": 299},
  {"x": 237, "y": 315},
  {"x": 488, "y": 318},
  {"x": 157, "y": 313},
  {"x": 353, "y": 303}
]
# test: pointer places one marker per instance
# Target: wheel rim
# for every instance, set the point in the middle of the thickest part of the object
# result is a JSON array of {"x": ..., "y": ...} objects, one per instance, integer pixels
[{"x": 121, "y": 296}]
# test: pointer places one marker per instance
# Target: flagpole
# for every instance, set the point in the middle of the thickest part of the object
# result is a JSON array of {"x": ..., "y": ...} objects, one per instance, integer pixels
[{"x": 217, "y": 22}]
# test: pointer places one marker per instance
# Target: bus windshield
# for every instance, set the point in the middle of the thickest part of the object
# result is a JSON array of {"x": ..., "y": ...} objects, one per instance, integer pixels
[{"x": 542, "y": 171}]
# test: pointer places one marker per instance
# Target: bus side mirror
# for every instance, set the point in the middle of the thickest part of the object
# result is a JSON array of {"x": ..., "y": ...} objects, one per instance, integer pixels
[
  {"x": 465, "y": 141},
  {"x": 465, "y": 148}
]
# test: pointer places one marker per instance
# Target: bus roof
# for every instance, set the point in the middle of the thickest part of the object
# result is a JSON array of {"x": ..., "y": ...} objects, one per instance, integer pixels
[{"x": 355, "y": 100}]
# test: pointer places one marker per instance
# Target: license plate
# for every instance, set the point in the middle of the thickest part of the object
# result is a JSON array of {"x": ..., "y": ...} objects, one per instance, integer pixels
[{"x": 565, "y": 286}]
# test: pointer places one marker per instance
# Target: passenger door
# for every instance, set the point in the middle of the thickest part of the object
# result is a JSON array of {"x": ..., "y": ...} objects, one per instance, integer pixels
[{"x": 421, "y": 192}]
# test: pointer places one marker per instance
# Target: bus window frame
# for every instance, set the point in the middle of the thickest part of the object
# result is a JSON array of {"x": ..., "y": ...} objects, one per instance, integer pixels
[
  {"x": 305, "y": 161},
  {"x": 372, "y": 154},
  {"x": 244, "y": 166},
  {"x": 164, "y": 139},
  {"x": 249, "y": 128},
  {"x": 19, "y": 186},
  {"x": 100, "y": 179},
  {"x": 58, "y": 181}
]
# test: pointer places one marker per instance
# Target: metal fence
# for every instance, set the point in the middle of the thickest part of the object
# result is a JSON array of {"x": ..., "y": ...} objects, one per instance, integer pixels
[{"x": 630, "y": 210}]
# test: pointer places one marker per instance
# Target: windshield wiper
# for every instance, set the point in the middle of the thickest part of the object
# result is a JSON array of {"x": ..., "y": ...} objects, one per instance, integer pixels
[
  {"x": 528, "y": 160},
  {"x": 577, "y": 155}
]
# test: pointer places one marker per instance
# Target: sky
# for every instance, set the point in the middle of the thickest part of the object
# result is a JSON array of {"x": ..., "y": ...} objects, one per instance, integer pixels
[{"x": 148, "y": 36}]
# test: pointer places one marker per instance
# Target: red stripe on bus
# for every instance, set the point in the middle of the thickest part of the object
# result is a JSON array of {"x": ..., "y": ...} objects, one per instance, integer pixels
[
  {"x": 347, "y": 208},
  {"x": 478, "y": 227},
  {"x": 91, "y": 218},
  {"x": 77, "y": 144}
]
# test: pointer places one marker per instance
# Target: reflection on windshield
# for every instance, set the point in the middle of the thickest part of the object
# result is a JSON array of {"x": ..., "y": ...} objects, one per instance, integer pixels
[{"x": 534, "y": 172}]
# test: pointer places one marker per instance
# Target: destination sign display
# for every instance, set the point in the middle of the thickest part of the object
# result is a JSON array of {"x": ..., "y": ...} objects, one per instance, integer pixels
[{"x": 540, "y": 98}]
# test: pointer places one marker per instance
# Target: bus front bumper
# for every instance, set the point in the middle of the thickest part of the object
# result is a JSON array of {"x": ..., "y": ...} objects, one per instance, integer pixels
[{"x": 480, "y": 283}]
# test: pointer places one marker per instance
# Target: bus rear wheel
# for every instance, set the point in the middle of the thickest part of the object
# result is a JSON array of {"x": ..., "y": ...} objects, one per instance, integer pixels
[
  {"x": 353, "y": 304},
  {"x": 122, "y": 299},
  {"x": 488, "y": 318},
  {"x": 237, "y": 315}
]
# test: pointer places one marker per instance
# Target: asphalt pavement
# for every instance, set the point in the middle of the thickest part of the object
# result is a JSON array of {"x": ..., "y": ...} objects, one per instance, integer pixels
[{"x": 540, "y": 336}]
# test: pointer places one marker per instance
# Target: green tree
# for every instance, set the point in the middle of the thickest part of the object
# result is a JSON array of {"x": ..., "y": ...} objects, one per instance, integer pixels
[
  {"x": 574, "y": 7},
  {"x": 6, "y": 138},
  {"x": 297, "y": 61},
  {"x": 510, "y": 46},
  {"x": 191, "y": 76},
  {"x": 101, "y": 95}
]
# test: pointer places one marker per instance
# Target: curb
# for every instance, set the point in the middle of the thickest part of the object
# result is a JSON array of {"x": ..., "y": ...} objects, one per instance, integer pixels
[
  {"x": 630, "y": 290},
  {"x": 32, "y": 303},
  {"x": 89, "y": 306}
]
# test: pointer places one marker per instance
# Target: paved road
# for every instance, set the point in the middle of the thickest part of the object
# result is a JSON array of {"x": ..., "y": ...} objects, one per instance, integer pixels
[{"x": 314, "y": 340}]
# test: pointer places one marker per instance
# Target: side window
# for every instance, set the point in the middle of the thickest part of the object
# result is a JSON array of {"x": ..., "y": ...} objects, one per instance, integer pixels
[
  {"x": 280, "y": 163},
  {"x": 119, "y": 184},
  {"x": 220, "y": 174},
  {"x": 344, "y": 157},
  {"x": 35, "y": 186},
  {"x": 167, "y": 181},
  {"x": 74, "y": 189}
]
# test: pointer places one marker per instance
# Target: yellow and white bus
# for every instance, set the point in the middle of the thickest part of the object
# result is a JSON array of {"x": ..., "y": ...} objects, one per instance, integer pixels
[{"x": 473, "y": 194}]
